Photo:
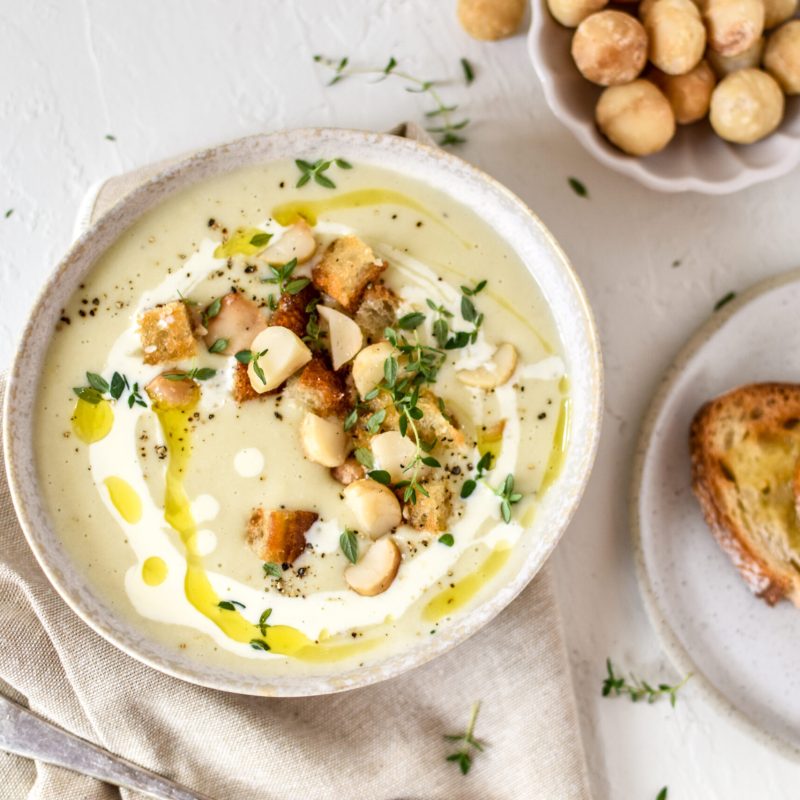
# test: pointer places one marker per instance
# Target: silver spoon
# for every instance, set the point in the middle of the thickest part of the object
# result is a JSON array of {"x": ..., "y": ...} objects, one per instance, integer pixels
[{"x": 27, "y": 734}]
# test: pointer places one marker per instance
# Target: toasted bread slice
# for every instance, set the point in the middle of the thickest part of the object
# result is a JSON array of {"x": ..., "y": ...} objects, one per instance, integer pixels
[
  {"x": 167, "y": 333},
  {"x": 320, "y": 389},
  {"x": 278, "y": 536},
  {"x": 745, "y": 447}
]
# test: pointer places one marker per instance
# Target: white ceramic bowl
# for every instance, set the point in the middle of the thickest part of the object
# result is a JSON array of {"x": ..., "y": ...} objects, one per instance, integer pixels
[
  {"x": 696, "y": 159},
  {"x": 499, "y": 208}
]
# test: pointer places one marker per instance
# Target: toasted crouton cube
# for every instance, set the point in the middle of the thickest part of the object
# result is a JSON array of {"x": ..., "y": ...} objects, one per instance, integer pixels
[
  {"x": 437, "y": 422},
  {"x": 242, "y": 389},
  {"x": 377, "y": 310},
  {"x": 431, "y": 513},
  {"x": 167, "y": 393},
  {"x": 279, "y": 536},
  {"x": 238, "y": 321},
  {"x": 321, "y": 389},
  {"x": 349, "y": 472},
  {"x": 166, "y": 333},
  {"x": 346, "y": 268},
  {"x": 291, "y": 311}
]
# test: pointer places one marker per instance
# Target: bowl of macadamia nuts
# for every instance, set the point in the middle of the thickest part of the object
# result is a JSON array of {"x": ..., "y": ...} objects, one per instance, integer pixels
[{"x": 683, "y": 95}]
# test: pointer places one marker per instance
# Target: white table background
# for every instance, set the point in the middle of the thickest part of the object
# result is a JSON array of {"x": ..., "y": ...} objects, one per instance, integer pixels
[{"x": 166, "y": 76}]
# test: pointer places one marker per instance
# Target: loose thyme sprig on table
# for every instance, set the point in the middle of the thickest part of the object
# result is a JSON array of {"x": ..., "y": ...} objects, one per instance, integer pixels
[
  {"x": 463, "y": 756},
  {"x": 449, "y": 130},
  {"x": 615, "y": 686}
]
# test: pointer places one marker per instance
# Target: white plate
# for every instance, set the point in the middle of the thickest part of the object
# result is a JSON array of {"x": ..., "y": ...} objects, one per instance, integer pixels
[{"x": 744, "y": 654}]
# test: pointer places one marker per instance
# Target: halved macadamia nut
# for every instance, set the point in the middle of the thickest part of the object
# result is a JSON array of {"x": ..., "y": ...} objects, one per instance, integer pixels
[
  {"x": 297, "y": 241},
  {"x": 689, "y": 94},
  {"x": 782, "y": 58},
  {"x": 636, "y": 117},
  {"x": 571, "y": 13},
  {"x": 778, "y": 11},
  {"x": 368, "y": 367},
  {"x": 677, "y": 35},
  {"x": 324, "y": 440},
  {"x": 489, "y": 20},
  {"x": 345, "y": 336},
  {"x": 746, "y": 106},
  {"x": 283, "y": 353},
  {"x": 236, "y": 324},
  {"x": 733, "y": 25},
  {"x": 495, "y": 373},
  {"x": 376, "y": 509},
  {"x": 610, "y": 48},
  {"x": 748, "y": 59},
  {"x": 393, "y": 452},
  {"x": 377, "y": 569}
]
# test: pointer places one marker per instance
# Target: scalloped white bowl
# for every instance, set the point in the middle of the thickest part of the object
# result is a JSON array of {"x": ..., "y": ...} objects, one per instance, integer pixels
[{"x": 696, "y": 160}]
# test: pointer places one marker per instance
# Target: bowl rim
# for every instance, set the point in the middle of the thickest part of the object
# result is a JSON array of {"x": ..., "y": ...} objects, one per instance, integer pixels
[
  {"x": 16, "y": 452},
  {"x": 637, "y": 168}
]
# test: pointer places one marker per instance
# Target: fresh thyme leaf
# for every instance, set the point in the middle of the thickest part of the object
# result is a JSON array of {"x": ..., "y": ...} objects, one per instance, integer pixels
[
  {"x": 376, "y": 420},
  {"x": 262, "y": 621},
  {"x": 484, "y": 464},
  {"x": 97, "y": 382},
  {"x": 467, "y": 488},
  {"x": 351, "y": 419},
  {"x": 390, "y": 371},
  {"x": 467, "y": 741},
  {"x": 318, "y": 169},
  {"x": 296, "y": 286},
  {"x": 616, "y": 685},
  {"x": 380, "y": 476},
  {"x": 440, "y": 332},
  {"x": 442, "y": 111},
  {"x": 203, "y": 374},
  {"x": 88, "y": 395},
  {"x": 508, "y": 497},
  {"x": 578, "y": 187},
  {"x": 479, "y": 287},
  {"x": 364, "y": 457},
  {"x": 662, "y": 795},
  {"x": 272, "y": 570},
  {"x": 230, "y": 605},
  {"x": 212, "y": 310},
  {"x": 259, "y": 644},
  {"x": 9, "y": 212},
  {"x": 348, "y": 541},
  {"x": 468, "y": 310},
  {"x": 324, "y": 180},
  {"x": 260, "y": 239},
  {"x": 218, "y": 346},
  {"x": 723, "y": 301},
  {"x": 117, "y": 386},
  {"x": 447, "y": 539},
  {"x": 342, "y": 164},
  {"x": 469, "y": 73},
  {"x": 411, "y": 321},
  {"x": 244, "y": 356}
]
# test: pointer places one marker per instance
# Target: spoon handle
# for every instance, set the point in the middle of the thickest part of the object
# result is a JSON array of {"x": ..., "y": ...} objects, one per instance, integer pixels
[{"x": 27, "y": 734}]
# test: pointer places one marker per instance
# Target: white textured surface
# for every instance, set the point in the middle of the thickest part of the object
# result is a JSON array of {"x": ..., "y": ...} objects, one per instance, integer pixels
[{"x": 170, "y": 77}]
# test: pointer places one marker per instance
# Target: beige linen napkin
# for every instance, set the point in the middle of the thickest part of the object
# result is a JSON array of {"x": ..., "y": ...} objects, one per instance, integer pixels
[{"x": 377, "y": 743}]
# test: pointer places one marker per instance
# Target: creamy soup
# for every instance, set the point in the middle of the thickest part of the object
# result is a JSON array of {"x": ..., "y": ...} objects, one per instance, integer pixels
[{"x": 281, "y": 426}]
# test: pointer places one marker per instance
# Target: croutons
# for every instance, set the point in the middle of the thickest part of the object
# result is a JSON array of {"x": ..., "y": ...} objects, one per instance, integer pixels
[
  {"x": 346, "y": 268},
  {"x": 320, "y": 389},
  {"x": 349, "y": 472},
  {"x": 237, "y": 323},
  {"x": 377, "y": 310},
  {"x": 431, "y": 513},
  {"x": 279, "y": 536},
  {"x": 291, "y": 311},
  {"x": 437, "y": 422},
  {"x": 167, "y": 393},
  {"x": 166, "y": 333},
  {"x": 242, "y": 390}
]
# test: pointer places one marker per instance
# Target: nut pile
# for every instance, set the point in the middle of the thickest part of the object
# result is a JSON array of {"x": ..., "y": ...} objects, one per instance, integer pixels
[{"x": 678, "y": 61}]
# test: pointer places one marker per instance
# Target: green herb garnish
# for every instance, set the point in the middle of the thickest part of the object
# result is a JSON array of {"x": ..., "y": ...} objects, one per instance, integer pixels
[
  {"x": 447, "y": 539},
  {"x": 508, "y": 497},
  {"x": 9, "y": 212},
  {"x": 259, "y": 644},
  {"x": 262, "y": 621},
  {"x": 364, "y": 457},
  {"x": 314, "y": 333},
  {"x": 230, "y": 605},
  {"x": 260, "y": 239},
  {"x": 212, "y": 310},
  {"x": 194, "y": 374},
  {"x": 662, "y": 795},
  {"x": 348, "y": 541},
  {"x": 469, "y": 485},
  {"x": 380, "y": 476},
  {"x": 272, "y": 570},
  {"x": 317, "y": 171},
  {"x": 99, "y": 386},
  {"x": 218, "y": 346},
  {"x": 111, "y": 137},
  {"x": 448, "y": 132},
  {"x": 281, "y": 274},
  {"x": 467, "y": 741},
  {"x": 249, "y": 357},
  {"x": 469, "y": 72},
  {"x": 636, "y": 689},
  {"x": 578, "y": 187}
]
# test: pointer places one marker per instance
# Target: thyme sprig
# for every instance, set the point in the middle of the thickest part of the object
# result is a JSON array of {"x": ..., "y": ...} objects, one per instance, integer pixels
[
  {"x": 249, "y": 357},
  {"x": 314, "y": 333},
  {"x": 317, "y": 170},
  {"x": 508, "y": 497},
  {"x": 483, "y": 466},
  {"x": 98, "y": 387},
  {"x": 281, "y": 274},
  {"x": 450, "y": 128},
  {"x": 272, "y": 570},
  {"x": 617, "y": 685},
  {"x": 467, "y": 741},
  {"x": 194, "y": 374}
]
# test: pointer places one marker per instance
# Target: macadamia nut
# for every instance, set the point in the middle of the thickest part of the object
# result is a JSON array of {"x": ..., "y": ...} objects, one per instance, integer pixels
[
  {"x": 782, "y": 57},
  {"x": 677, "y": 35},
  {"x": 733, "y": 25},
  {"x": 746, "y": 106},
  {"x": 610, "y": 48},
  {"x": 749, "y": 59},
  {"x": 777, "y": 11},
  {"x": 636, "y": 117},
  {"x": 571, "y": 13},
  {"x": 689, "y": 94},
  {"x": 490, "y": 19}
]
